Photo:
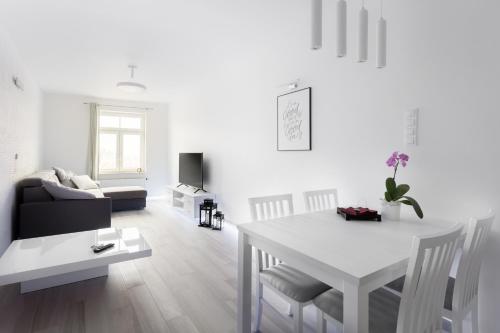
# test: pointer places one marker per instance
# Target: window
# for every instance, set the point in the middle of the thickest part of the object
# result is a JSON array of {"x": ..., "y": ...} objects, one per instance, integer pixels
[{"x": 121, "y": 142}]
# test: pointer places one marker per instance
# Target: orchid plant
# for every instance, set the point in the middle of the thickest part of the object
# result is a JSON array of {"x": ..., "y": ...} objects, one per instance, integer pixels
[{"x": 397, "y": 193}]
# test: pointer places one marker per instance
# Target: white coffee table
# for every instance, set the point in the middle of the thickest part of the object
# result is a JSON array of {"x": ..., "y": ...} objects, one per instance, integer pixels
[{"x": 44, "y": 262}]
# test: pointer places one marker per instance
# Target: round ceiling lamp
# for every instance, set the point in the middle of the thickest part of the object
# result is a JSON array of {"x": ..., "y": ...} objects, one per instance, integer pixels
[{"x": 131, "y": 86}]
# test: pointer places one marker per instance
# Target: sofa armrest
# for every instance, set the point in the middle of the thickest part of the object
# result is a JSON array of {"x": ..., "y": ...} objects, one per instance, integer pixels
[{"x": 38, "y": 219}]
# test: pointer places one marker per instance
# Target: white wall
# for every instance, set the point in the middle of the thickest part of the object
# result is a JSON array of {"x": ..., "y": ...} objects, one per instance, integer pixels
[
  {"x": 66, "y": 138},
  {"x": 442, "y": 58},
  {"x": 19, "y": 132}
]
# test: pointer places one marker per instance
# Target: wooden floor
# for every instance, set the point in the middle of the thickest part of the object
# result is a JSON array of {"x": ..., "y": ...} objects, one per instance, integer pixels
[{"x": 187, "y": 286}]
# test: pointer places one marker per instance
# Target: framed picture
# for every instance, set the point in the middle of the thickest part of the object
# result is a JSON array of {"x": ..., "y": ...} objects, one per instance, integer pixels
[{"x": 294, "y": 120}]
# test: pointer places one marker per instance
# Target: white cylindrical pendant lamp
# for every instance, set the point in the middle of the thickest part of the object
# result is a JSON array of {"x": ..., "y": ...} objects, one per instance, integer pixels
[
  {"x": 381, "y": 43},
  {"x": 341, "y": 28},
  {"x": 316, "y": 24},
  {"x": 363, "y": 35}
]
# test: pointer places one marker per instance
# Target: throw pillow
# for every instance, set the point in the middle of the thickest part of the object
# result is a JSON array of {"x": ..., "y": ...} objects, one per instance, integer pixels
[
  {"x": 84, "y": 182},
  {"x": 61, "y": 192},
  {"x": 64, "y": 176},
  {"x": 60, "y": 173},
  {"x": 68, "y": 183}
]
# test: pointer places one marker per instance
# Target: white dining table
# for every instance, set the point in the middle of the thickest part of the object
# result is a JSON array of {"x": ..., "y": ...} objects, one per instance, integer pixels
[{"x": 355, "y": 257}]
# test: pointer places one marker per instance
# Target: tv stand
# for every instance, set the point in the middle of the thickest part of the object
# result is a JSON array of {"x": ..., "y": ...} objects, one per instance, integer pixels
[
  {"x": 196, "y": 188},
  {"x": 188, "y": 199}
]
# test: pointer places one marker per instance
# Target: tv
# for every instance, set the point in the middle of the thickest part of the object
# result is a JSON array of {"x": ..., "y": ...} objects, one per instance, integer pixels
[{"x": 191, "y": 169}]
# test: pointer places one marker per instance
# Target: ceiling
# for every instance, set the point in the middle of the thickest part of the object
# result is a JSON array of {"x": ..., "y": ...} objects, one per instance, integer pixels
[{"x": 84, "y": 46}]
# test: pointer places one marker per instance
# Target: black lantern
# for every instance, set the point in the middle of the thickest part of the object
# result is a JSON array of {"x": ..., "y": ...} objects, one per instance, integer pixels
[
  {"x": 206, "y": 212},
  {"x": 218, "y": 220}
]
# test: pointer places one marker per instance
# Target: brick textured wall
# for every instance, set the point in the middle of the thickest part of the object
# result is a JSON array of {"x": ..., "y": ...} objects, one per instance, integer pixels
[{"x": 20, "y": 127}]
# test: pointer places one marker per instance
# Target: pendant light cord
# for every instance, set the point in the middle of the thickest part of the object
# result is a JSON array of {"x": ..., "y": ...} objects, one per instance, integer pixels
[
  {"x": 132, "y": 68},
  {"x": 381, "y": 8}
]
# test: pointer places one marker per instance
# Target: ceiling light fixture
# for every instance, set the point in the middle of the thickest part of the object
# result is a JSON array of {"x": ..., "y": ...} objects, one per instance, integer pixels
[
  {"x": 131, "y": 86},
  {"x": 363, "y": 33},
  {"x": 316, "y": 24},
  {"x": 341, "y": 28},
  {"x": 381, "y": 39}
]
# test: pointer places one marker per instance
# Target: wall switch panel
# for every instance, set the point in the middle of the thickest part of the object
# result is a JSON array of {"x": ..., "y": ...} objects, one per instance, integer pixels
[{"x": 411, "y": 127}]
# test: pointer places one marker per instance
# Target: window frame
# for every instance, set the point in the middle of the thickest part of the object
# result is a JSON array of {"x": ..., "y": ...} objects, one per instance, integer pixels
[{"x": 120, "y": 171}]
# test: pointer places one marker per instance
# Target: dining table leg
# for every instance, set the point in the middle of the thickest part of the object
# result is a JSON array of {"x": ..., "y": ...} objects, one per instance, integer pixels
[
  {"x": 356, "y": 309},
  {"x": 244, "y": 320}
]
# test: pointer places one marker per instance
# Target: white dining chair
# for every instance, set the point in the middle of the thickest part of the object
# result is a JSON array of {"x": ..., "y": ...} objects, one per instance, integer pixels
[
  {"x": 321, "y": 200},
  {"x": 271, "y": 207},
  {"x": 295, "y": 287},
  {"x": 420, "y": 306},
  {"x": 462, "y": 292}
]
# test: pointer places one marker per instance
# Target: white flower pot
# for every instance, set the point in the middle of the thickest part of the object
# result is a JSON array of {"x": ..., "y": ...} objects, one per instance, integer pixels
[{"x": 390, "y": 210}]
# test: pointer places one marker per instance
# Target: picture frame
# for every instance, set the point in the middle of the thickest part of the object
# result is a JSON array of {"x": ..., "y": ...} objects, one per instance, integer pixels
[{"x": 294, "y": 121}]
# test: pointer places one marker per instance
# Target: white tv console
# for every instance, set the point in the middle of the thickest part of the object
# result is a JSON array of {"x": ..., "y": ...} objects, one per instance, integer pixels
[{"x": 184, "y": 198}]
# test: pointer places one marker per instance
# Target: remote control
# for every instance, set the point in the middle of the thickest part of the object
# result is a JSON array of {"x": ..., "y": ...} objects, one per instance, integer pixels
[{"x": 101, "y": 247}]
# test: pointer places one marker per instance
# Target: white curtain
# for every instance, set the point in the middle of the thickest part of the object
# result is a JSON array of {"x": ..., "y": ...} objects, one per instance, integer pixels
[{"x": 93, "y": 158}]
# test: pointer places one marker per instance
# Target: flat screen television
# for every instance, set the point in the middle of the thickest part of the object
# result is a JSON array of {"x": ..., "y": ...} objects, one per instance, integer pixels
[{"x": 191, "y": 169}]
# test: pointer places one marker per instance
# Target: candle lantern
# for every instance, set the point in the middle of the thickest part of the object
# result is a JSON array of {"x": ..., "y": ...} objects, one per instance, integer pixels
[
  {"x": 206, "y": 212},
  {"x": 218, "y": 220}
]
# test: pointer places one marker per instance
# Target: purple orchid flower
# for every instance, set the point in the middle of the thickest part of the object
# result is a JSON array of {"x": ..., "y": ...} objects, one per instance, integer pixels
[
  {"x": 397, "y": 193},
  {"x": 403, "y": 159},
  {"x": 396, "y": 159},
  {"x": 393, "y": 160}
]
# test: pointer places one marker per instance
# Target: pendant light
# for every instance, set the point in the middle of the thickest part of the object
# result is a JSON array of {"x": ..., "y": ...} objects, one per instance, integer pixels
[
  {"x": 341, "y": 28},
  {"x": 131, "y": 86},
  {"x": 381, "y": 39},
  {"x": 316, "y": 24},
  {"x": 363, "y": 34}
]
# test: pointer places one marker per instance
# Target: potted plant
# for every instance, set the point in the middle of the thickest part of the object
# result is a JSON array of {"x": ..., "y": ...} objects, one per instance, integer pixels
[{"x": 395, "y": 195}]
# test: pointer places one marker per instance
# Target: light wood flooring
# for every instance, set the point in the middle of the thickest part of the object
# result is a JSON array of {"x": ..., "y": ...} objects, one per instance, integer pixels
[{"x": 187, "y": 286}]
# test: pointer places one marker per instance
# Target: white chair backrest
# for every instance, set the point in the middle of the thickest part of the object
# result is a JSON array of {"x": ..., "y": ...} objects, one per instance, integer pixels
[
  {"x": 271, "y": 207},
  {"x": 321, "y": 200},
  {"x": 426, "y": 279},
  {"x": 265, "y": 208},
  {"x": 467, "y": 280}
]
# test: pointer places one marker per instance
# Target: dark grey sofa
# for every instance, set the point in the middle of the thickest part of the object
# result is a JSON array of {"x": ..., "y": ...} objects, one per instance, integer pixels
[
  {"x": 126, "y": 197},
  {"x": 38, "y": 214}
]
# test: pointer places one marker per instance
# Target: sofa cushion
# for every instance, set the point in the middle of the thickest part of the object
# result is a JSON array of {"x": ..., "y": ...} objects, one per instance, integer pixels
[
  {"x": 124, "y": 192},
  {"x": 84, "y": 182},
  {"x": 35, "y": 179},
  {"x": 61, "y": 192},
  {"x": 64, "y": 176},
  {"x": 97, "y": 192}
]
